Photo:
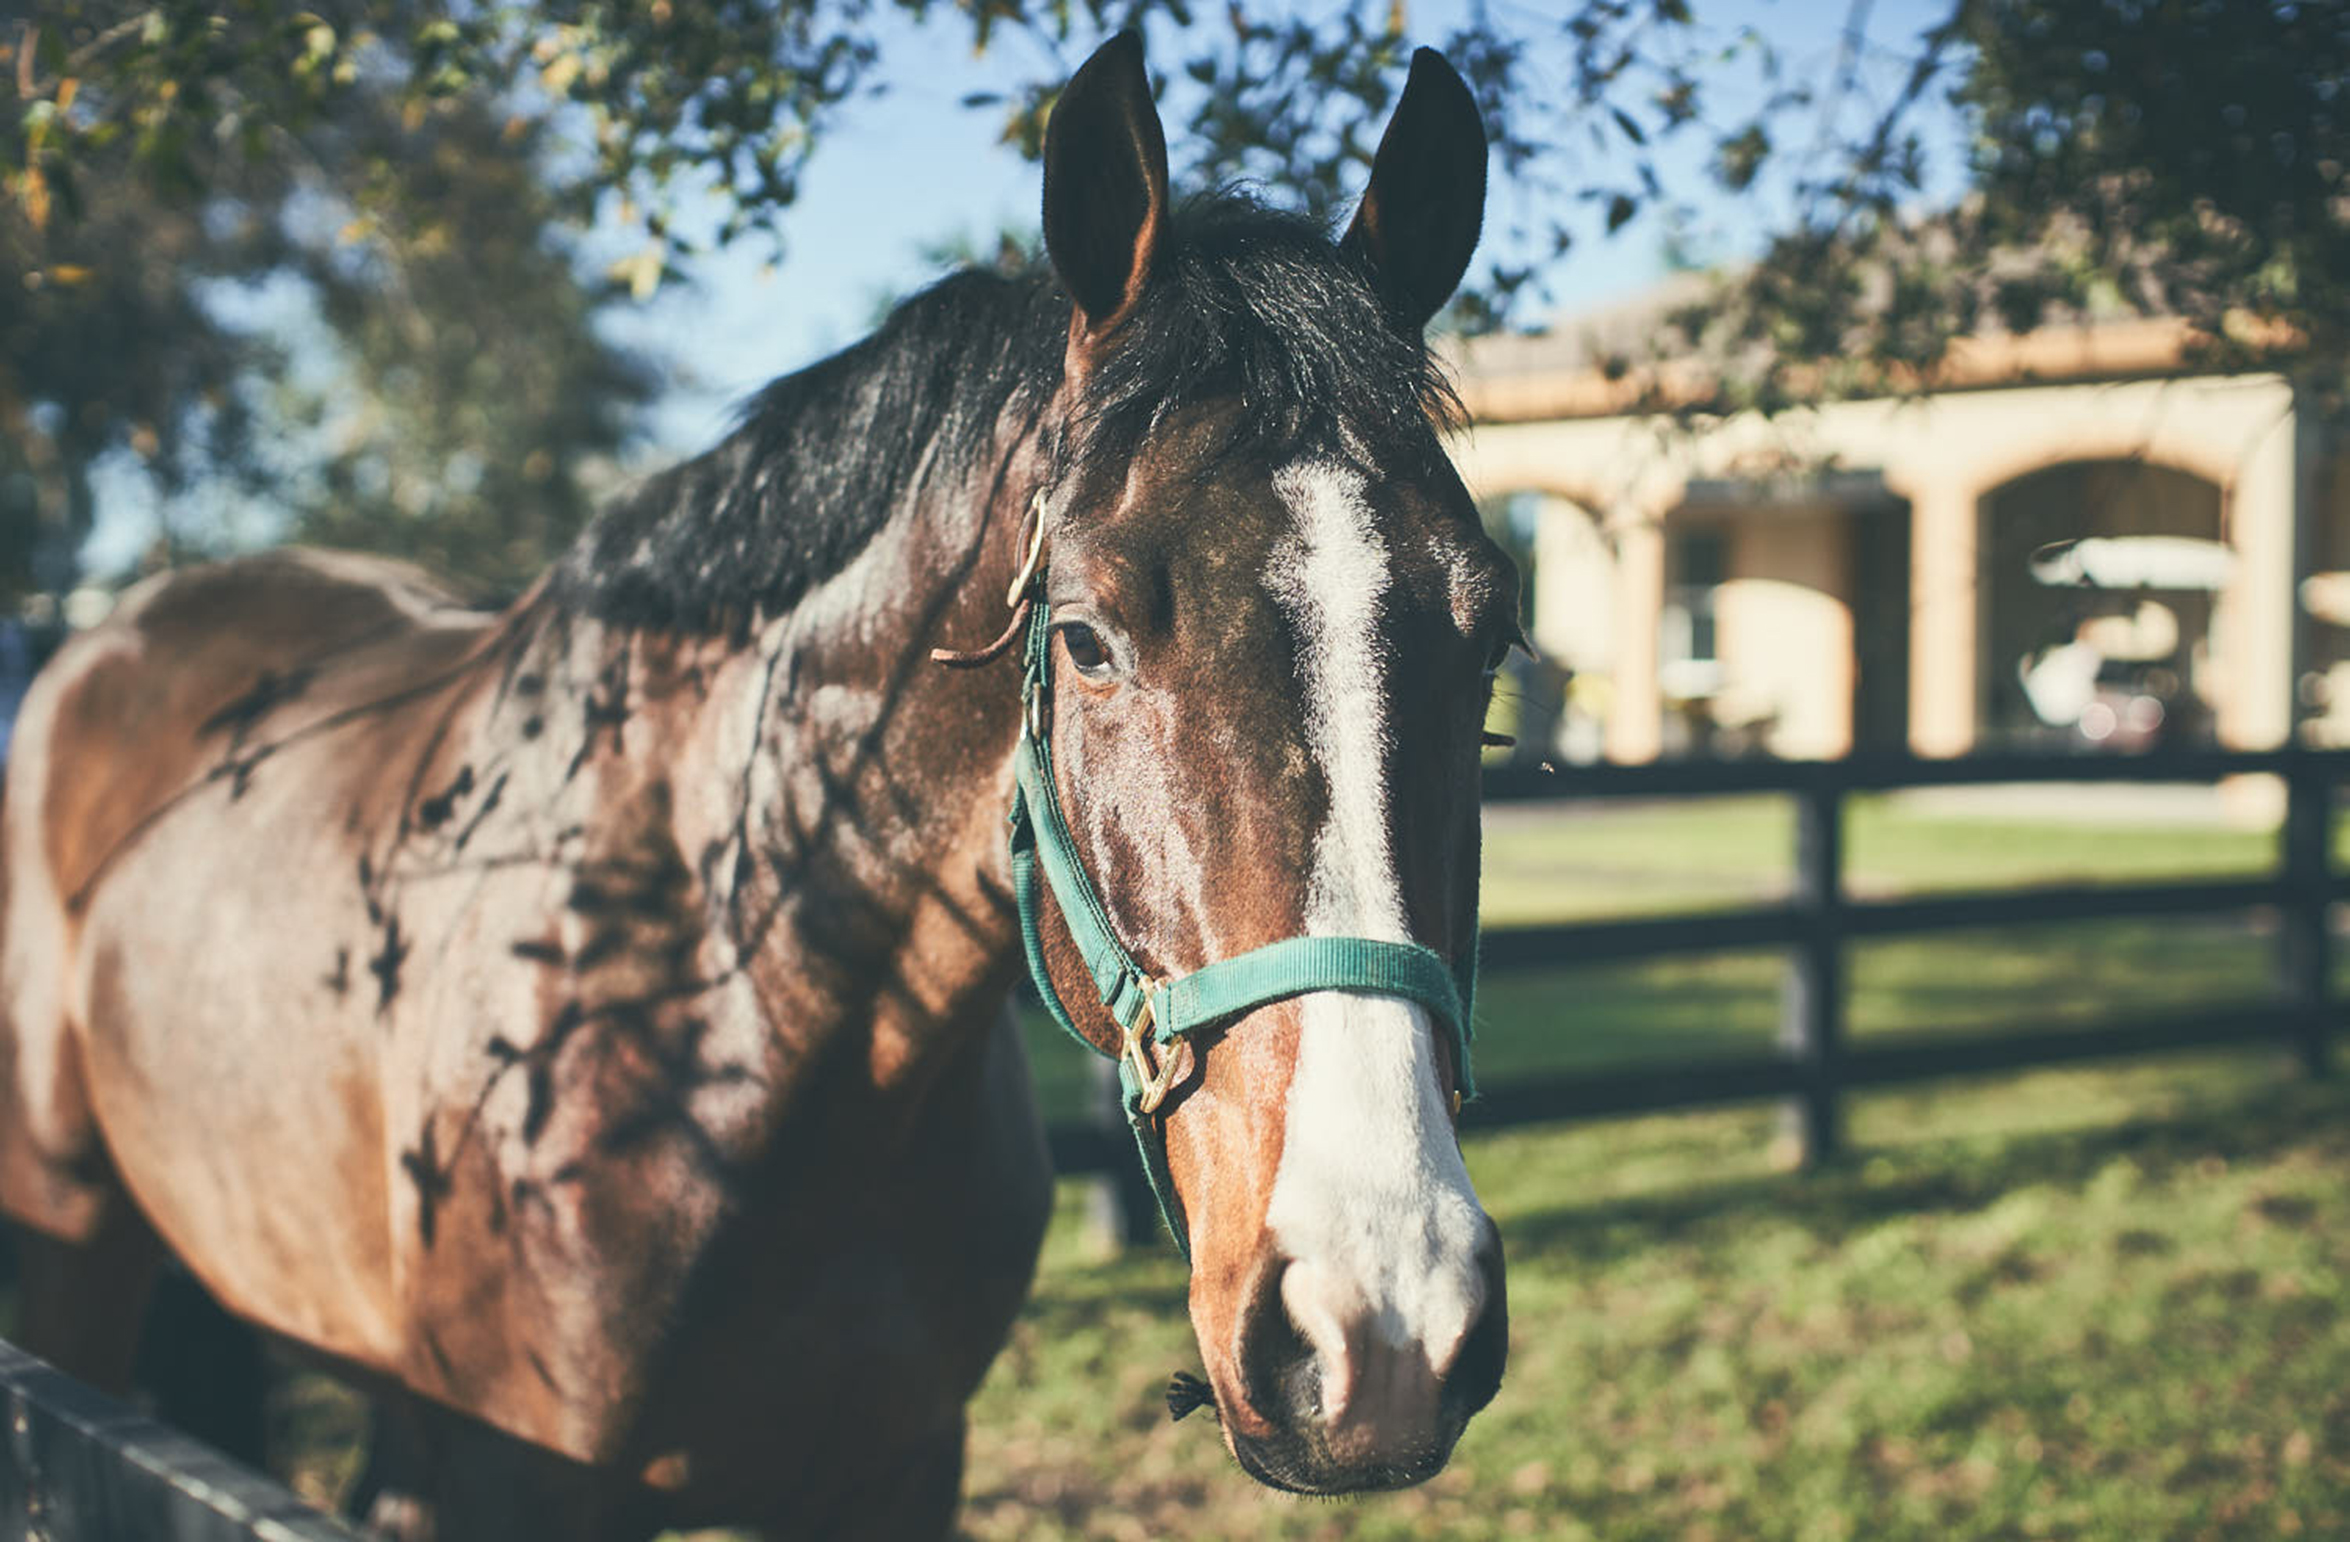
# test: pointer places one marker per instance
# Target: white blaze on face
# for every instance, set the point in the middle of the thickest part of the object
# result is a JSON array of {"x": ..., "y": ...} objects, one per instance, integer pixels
[{"x": 1370, "y": 1201}]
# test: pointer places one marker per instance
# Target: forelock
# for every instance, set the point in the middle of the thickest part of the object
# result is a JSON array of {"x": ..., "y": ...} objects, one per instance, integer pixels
[{"x": 1261, "y": 310}]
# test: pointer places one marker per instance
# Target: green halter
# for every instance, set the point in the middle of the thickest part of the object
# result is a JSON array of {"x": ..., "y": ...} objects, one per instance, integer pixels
[{"x": 1152, "y": 1014}]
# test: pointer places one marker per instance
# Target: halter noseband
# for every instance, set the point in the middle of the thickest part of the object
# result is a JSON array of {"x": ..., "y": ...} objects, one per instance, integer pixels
[{"x": 1152, "y": 1014}]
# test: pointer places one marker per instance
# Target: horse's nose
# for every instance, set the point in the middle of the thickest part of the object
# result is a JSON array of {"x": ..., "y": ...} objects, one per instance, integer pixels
[
  {"x": 1375, "y": 1391},
  {"x": 1475, "y": 1374}
]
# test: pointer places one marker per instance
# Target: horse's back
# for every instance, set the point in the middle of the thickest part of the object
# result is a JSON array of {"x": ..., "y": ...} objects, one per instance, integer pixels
[
  {"x": 132, "y": 718},
  {"x": 136, "y": 709}
]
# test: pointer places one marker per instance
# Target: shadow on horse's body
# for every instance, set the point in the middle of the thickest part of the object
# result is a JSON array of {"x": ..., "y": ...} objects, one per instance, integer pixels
[
  {"x": 435, "y": 956},
  {"x": 586, "y": 1022}
]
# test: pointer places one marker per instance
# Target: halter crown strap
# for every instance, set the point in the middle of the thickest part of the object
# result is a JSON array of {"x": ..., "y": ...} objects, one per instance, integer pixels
[{"x": 1152, "y": 1013}]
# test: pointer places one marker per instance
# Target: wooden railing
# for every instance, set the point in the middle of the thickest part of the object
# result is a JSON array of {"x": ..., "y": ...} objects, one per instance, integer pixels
[
  {"x": 1814, "y": 1065},
  {"x": 77, "y": 1466}
]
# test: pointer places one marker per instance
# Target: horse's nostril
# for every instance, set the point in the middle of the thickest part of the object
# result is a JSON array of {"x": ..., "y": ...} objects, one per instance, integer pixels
[
  {"x": 1280, "y": 1374},
  {"x": 1475, "y": 1375}
]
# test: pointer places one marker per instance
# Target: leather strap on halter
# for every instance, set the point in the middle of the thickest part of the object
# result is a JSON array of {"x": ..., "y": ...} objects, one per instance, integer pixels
[{"x": 1152, "y": 1014}]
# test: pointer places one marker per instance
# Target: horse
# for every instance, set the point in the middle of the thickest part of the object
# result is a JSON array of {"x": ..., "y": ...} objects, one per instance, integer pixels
[{"x": 585, "y": 1023}]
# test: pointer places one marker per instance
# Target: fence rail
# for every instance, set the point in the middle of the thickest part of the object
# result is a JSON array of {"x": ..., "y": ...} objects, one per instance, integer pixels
[
  {"x": 79, "y": 1467},
  {"x": 1815, "y": 926}
]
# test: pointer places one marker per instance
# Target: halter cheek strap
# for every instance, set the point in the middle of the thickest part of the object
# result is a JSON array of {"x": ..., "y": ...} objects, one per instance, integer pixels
[{"x": 1152, "y": 1014}]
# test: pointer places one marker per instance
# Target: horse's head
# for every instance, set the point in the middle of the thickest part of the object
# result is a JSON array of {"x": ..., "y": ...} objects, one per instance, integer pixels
[{"x": 1274, "y": 622}]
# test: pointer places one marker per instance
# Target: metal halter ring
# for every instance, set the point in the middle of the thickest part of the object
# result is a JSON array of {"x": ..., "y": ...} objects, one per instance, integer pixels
[{"x": 1028, "y": 564}]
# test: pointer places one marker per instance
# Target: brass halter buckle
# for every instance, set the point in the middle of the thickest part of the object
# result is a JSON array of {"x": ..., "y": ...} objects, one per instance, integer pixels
[{"x": 1153, "y": 1085}]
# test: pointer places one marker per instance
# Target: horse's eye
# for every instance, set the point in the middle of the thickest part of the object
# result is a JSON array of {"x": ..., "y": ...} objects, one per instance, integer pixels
[{"x": 1085, "y": 649}]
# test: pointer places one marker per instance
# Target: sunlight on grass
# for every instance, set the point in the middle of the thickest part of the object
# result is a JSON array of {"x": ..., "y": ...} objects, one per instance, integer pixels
[
  {"x": 1994, "y": 978},
  {"x": 1596, "y": 860}
]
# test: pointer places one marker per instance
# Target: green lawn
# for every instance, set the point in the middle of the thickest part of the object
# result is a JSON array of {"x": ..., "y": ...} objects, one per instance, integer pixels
[
  {"x": 1582, "y": 861},
  {"x": 2105, "y": 1303},
  {"x": 2101, "y": 1303}
]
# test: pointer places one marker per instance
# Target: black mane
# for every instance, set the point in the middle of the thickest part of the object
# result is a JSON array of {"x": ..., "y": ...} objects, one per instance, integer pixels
[{"x": 1245, "y": 303}]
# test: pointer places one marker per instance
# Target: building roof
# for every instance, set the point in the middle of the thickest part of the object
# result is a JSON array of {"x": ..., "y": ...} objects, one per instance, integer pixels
[{"x": 1636, "y": 356}]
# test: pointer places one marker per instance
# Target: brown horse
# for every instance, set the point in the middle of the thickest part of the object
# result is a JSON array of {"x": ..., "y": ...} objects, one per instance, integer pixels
[{"x": 585, "y": 1023}]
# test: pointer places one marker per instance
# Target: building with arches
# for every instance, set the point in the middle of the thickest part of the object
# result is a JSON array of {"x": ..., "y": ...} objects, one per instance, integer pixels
[{"x": 1894, "y": 572}]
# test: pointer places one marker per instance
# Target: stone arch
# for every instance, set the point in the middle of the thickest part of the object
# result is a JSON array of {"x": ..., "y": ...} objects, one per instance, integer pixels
[
  {"x": 2064, "y": 667},
  {"x": 2075, "y": 443}
]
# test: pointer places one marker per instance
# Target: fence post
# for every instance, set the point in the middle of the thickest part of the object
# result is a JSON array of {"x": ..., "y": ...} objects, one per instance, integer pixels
[
  {"x": 2303, "y": 968},
  {"x": 1124, "y": 1211},
  {"x": 1811, "y": 1017}
]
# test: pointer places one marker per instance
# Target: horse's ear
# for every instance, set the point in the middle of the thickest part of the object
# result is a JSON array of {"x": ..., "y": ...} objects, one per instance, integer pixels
[
  {"x": 1420, "y": 216},
  {"x": 1105, "y": 188}
]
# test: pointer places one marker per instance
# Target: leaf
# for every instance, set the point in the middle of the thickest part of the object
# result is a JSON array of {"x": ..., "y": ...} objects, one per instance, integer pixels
[
  {"x": 640, "y": 271},
  {"x": 1630, "y": 128},
  {"x": 32, "y": 192},
  {"x": 1740, "y": 157},
  {"x": 1620, "y": 209}
]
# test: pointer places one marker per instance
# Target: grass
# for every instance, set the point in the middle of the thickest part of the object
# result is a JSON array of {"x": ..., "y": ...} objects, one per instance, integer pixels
[
  {"x": 2100, "y": 1303},
  {"x": 1583, "y": 861}
]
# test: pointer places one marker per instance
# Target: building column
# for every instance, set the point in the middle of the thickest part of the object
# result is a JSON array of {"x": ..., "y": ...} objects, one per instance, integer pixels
[
  {"x": 1636, "y": 714},
  {"x": 2260, "y": 608},
  {"x": 1943, "y": 617}
]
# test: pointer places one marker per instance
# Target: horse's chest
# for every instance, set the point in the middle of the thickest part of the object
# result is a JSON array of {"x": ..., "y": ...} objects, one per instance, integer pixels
[
  {"x": 858, "y": 1311},
  {"x": 625, "y": 1284}
]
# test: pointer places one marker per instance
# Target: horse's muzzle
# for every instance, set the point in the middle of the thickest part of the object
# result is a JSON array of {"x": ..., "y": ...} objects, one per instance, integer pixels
[{"x": 1400, "y": 1410}]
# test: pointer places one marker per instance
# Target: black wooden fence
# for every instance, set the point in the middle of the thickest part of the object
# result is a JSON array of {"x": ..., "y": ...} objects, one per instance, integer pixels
[
  {"x": 77, "y": 1466},
  {"x": 1813, "y": 1065}
]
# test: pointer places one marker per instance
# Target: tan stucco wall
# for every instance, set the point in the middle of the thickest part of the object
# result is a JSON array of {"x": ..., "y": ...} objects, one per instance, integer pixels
[
  {"x": 1575, "y": 598},
  {"x": 1942, "y": 454},
  {"x": 1785, "y": 625}
]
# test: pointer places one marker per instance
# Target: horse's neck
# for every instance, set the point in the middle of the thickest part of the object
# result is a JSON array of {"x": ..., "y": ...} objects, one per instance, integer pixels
[{"x": 840, "y": 794}]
